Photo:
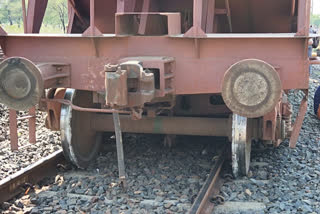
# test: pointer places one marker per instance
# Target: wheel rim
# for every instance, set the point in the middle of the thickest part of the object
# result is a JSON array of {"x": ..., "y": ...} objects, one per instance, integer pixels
[
  {"x": 80, "y": 143},
  {"x": 241, "y": 145}
]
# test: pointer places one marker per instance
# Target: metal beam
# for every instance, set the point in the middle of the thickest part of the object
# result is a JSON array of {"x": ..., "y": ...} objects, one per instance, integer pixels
[
  {"x": 35, "y": 14},
  {"x": 303, "y": 17},
  {"x": 93, "y": 30},
  {"x": 126, "y": 6},
  {"x": 86, "y": 73},
  {"x": 211, "y": 16},
  {"x": 165, "y": 125},
  {"x": 198, "y": 10}
]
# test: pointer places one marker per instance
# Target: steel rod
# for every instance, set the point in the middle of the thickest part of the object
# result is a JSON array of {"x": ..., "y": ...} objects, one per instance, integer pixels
[
  {"x": 293, "y": 7},
  {"x": 120, "y": 154},
  {"x": 229, "y": 15},
  {"x": 24, "y": 13},
  {"x": 25, "y": 117},
  {"x": 92, "y": 16},
  {"x": 13, "y": 129},
  {"x": 299, "y": 120},
  {"x": 78, "y": 108},
  {"x": 32, "y": 125}
]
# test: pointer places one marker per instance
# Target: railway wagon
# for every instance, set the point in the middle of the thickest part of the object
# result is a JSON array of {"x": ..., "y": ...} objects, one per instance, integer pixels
[{"x": 171, "y": 67}]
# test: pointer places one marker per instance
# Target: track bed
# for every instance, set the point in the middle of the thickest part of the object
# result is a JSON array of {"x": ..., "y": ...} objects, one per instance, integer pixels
[
  {"x": 281, "y": 180},
  {"x": 159, "y": 179}
]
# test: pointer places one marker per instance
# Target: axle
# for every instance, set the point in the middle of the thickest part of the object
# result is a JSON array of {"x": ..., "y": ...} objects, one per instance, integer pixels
[{"x": 165, "y": 125}]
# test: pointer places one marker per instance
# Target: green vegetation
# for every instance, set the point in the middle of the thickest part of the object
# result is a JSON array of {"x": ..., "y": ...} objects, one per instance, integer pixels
[
  {"x": 315, "y": 20},
  {"x": 55, "y": 19},
  {"x": 56, "y": 15}
]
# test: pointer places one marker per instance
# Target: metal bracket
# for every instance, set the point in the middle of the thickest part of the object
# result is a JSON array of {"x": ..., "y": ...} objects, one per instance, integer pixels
[
  {"x": 129, "y": 86},
  {"x": 14, "y": 129},
  {"x": 299, "y": 120}
]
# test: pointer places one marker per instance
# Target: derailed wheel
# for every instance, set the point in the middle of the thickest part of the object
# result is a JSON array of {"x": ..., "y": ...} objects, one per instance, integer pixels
[
  {"x": 79, "y": 142},
  {"x": 241, "y": 145}
]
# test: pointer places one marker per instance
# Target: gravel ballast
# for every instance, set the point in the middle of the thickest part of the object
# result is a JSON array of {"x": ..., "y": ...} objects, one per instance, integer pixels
[
  {"x": 160, "y": 180},
  {"x": 286, "y": 180},
  {"x": 12, "y": 161}
]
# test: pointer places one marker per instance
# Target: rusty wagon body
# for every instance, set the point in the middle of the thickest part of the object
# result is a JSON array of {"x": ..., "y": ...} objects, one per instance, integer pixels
[{"x": 192, "y": 67}]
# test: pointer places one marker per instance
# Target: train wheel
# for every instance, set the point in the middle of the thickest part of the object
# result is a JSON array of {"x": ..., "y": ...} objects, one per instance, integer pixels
[
  {"x": 241, "y": 145},
  {"x": 79, "y": 142}
]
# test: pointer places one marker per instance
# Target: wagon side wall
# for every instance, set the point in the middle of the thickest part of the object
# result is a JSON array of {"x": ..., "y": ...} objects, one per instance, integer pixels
[{"x": 199, "y": 69}]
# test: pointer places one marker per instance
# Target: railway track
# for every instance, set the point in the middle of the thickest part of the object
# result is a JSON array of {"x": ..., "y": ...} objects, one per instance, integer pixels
[
  {"x": 20, "y": 182},
  {"x": 67, "y": 190},
  {"x": 209, "y": 196},
  {"x": 25, "y": 178}
]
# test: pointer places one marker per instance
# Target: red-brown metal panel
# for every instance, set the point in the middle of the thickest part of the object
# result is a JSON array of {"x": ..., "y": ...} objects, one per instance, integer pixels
[
  {"x": 105, "y": 15},
  {"x": 261, "y": 16},
  {"x": 193, "y": 75}
]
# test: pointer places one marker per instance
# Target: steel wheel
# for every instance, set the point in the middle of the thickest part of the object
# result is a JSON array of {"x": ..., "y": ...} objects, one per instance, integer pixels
[
  {"x": 241, "y": 145},
  {"x": 79, "y": 142}
]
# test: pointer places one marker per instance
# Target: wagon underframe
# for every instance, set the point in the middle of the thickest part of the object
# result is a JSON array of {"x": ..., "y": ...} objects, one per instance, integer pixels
[{"x": 201, "y": 67}]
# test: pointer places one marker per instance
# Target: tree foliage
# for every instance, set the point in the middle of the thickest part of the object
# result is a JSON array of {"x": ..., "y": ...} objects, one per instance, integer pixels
[
  {"x": 56, "y": 13},
  {"x": 10, "y": 12},
  {"x": 315, "y": 20}
]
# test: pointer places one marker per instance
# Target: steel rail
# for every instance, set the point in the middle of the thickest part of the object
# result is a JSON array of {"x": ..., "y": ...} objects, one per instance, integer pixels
[
  {"x": 12, "y": 185},
  {"x": 203, "y": 203}
]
